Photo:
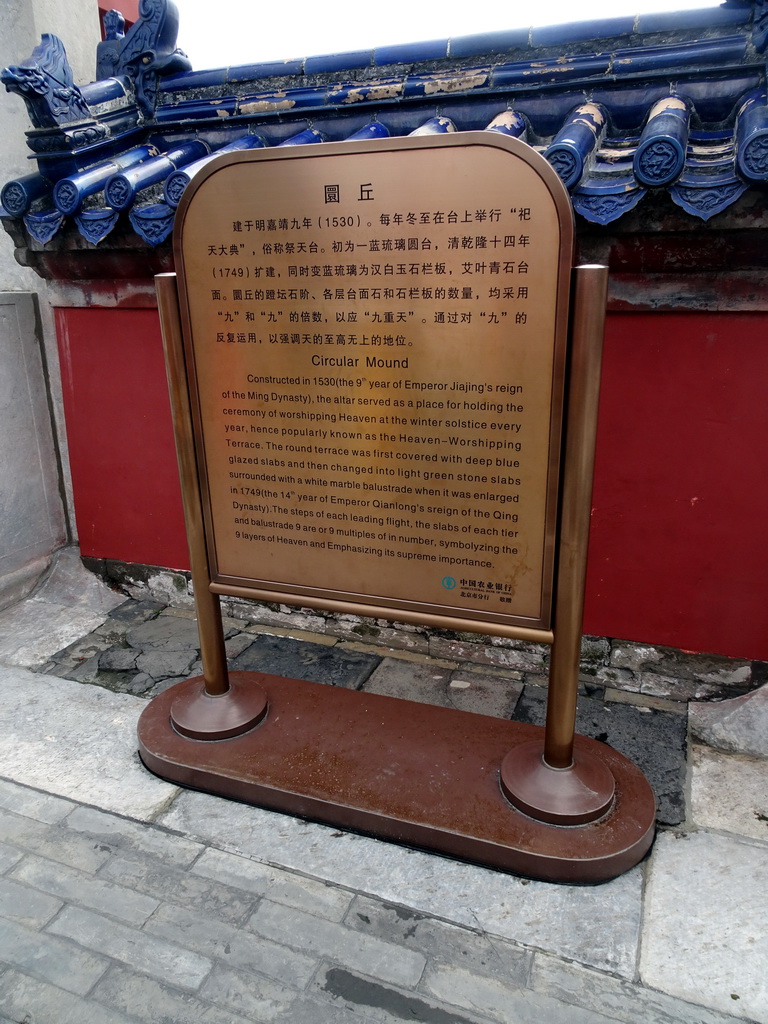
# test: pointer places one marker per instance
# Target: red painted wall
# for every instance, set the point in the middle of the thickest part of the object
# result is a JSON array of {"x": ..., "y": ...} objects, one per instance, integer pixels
[
  {"x": 124, "y": 474},
  {"x": 679, "y": 548},
  {"x": 678, "y": 551}
]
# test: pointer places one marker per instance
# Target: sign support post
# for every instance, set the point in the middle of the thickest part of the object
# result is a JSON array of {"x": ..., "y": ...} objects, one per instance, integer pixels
[
  {"x": 551, "y": 784},
  {"x": 219, "y": 708}
]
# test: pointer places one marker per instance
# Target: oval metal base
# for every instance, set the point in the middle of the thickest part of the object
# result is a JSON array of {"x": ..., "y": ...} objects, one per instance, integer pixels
[
  {"x": 200, "y": 716},
  {"x": 559, "y": 796},
  {"x": 412, "y": 773}
]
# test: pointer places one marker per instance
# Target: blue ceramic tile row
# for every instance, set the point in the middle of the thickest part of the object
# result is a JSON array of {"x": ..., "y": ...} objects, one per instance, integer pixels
[
  {"x": 657, "y": 58},
  {"x": 352, "y": 61},
  {"x": 701, "y": 18},
  {"x": 464, "y": 46},
  {"x": 208, "y": 79},
  {"x": 178, "y": 179},
  {"x": 527, "y": 74},
  {"x": 69, "y": 193},
  {"x": 121, "y": 188},
  {"x": 556, "y": 69},
  {"x": 266, "y": 69},
  {"x": 615, "y": 117},
  {"x": 607, "y": 176},
  {"x": 489, "y": 42},
  {"x": 237, "y": 73},
  {"x": 380, "y": 90},
  {"x": 603, "y": 184},
  {"x": 411, "y": 53}
]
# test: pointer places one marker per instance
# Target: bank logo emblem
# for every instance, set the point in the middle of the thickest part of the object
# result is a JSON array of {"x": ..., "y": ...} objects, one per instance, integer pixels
[{"x": 449, "y": 583}]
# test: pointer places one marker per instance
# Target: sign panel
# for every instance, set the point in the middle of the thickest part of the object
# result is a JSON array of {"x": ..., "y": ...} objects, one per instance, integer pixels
[{"x": 375, "y": 336}]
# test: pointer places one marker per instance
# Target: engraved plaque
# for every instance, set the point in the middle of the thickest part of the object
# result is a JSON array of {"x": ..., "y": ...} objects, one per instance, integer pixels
[{"x": 375, "y": 335}]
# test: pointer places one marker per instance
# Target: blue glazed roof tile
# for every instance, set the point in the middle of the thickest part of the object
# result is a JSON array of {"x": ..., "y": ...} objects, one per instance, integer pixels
[
  {"x": 553, "y": 69},
  {"x": 698, "y": 54},
  {"x": 195, "y": 80},
  {"x": 666, "y": 110},
  {"x": 710, "y": 17},
  {"x": 94, "y": 225},
  {"x": 338, "y": 62},
  {"x": 154, "y": 222},
  {"x": 489, "y": 42},
  {"x": 555, "y": 35},
  {"x": 265, "y": 69},
  {"x": 43, "y": 224},
  {"x": 410, "y": 53}
]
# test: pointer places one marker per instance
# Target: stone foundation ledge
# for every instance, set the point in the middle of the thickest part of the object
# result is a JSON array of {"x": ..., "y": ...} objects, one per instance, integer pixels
[{"x": 650, "y": 672}]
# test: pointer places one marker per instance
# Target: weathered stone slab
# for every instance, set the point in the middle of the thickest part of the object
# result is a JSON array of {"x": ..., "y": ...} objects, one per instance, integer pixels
[
  {"x": 118, "y": 659},
  {"x": 283, "y": 656},
  {"x": 148, "y": 582},
  {"x": 654, "y": 740},
  {"x": 446, "y": 945},
  {"x": 666, "y": 672},
  {"x": 237, "y": 644},
  {"x": 705, "y": 911},
  {"x": 467, "y": 691},
  {"x": 165, "y": 633},
  {"x": 162, "y": 664},
  {"x": 75, "y": 654},
  {"x": 70, "y": 603},
  {"x": 620, "y": 1000},
  {"x": 739, "y": 725},
  {"x": 730, "y": 792},
  {"x": 521, "y": 657},
  {"x": 78, "y": 742},
  {"x": 126, "y": 616},
  {"x": 274, "y": 615}
]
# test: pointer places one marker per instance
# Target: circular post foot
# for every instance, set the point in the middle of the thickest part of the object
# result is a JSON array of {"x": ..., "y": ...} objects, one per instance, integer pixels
[
  {"x": 201, "y": 716},
  {"x": 558, "y": 796}
]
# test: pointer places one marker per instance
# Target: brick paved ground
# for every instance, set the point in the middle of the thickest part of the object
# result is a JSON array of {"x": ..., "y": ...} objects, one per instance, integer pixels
[
  {"x": 108, "y": 920},
  {"x": 123, "y": 898}
]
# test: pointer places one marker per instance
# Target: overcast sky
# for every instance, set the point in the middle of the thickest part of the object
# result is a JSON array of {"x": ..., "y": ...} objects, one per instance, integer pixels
[{"x": 241, "y": 31}]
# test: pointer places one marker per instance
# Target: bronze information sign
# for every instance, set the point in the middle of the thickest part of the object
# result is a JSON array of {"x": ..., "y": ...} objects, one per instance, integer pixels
[
  {"x": 366, "y": 363},
  {"x": 375, "y": 341}
]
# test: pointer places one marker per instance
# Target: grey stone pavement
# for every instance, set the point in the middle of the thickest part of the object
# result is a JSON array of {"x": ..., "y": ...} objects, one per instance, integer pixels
[{"x": 125, "y": 898}]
